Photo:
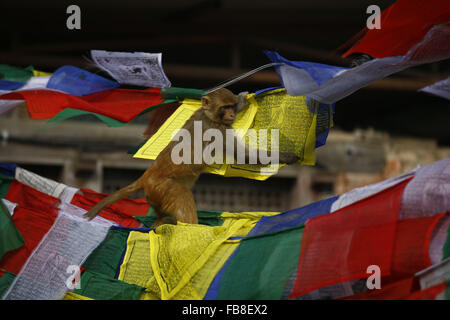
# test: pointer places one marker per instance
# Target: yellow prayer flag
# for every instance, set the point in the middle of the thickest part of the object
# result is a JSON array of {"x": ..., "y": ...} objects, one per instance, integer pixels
[
  {"x": 274, "y": 109},
  {"x": 74, "y": 296},
  {"x": 37, "y": 73},
  {"x": 180, "y": 261}
]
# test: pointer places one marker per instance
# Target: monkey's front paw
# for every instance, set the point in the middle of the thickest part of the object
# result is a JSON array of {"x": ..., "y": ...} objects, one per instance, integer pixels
[{"x": 288, "y": 157}]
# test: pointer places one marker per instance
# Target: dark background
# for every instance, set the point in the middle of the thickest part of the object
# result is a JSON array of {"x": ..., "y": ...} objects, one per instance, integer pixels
[{"x": 206, "y": 42}]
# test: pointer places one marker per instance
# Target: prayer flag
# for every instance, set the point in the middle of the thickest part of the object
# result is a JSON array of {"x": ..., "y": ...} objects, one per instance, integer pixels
[
  {"x": 106, "y": 258},
  {"x": 300, "y": 79},
  {"x": 440, "y": 88},
  {"x": 120, "y": 104},
  {"x": 32, "y": 225},
  {"x": 135, "y": 68},
  {"x": 339, "y": 246},
  {"x": 101, "y": 287},
  {"x": 69, "y": 242},
  {"x": 262, "y": 265},
  {"x": 403, "y": 25},
  {"x": 121, "y": 212},
  {"x": 428, "y": 193},
  {"x": 10, "y": 237},
  {"x": 6, "y": 85},
  {"x": 15, "y": 74},
  {"x": 8, "y": 169},
  {"x": 79, "y": 82}
]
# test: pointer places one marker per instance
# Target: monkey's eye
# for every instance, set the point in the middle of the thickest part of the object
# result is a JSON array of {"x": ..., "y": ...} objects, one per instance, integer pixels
[{"x": 228, "y": 107}]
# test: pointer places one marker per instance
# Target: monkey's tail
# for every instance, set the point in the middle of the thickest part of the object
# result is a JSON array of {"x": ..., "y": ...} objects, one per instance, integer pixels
[{"x": 116, "y": 196}]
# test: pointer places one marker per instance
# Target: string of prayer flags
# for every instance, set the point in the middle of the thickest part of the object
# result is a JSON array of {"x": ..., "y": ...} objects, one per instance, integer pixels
[
  {"x": 242, "y": 255},
  {"x": 298, "y": 80},
  {"x": 135, "y": 68},
  {"x": 79, "y": 82},
  {"x": 120, "y": 104},
  {"x": 402, "y": 25}
]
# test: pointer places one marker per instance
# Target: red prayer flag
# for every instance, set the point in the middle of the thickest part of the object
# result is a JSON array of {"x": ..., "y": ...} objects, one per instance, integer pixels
[
  {"x": 411, "y": 248},
  {"x": 429, "y": 293},
  {"x": 33, "y": 224},
  {"x": 121, "y": 212},
  {"x": 28, "y": 197},
  {"x": 392, "y": 291},
  {"x": 120, "y": 104},
  {"x": 403, "y": 25},
  {"x": 339, "y": 246}
]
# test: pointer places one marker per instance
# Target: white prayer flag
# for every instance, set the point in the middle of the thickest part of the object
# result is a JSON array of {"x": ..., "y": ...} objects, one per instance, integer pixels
[{"x": 137, "y": 68}]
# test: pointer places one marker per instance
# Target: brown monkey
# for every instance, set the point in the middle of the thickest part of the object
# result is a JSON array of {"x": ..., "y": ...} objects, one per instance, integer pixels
[{"x": 168, "y": 185}]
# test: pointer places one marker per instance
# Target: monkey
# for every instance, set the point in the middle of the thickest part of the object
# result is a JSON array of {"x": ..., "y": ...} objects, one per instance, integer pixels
[{"x": 167, "y": 185}]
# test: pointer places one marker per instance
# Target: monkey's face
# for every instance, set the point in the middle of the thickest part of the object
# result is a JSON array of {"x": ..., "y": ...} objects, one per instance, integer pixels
[
  {"x": 227, "y": 114},
  {"x": 220, "y": 106}
]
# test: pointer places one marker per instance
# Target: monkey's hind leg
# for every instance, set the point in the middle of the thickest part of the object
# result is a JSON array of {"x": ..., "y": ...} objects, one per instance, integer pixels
[{"x": 177, "y": 204}]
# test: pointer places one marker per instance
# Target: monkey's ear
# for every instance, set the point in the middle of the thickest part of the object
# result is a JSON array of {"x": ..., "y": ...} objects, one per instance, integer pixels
[
  {"x": 206, "y": 102},
  {"x": 242, "y": 101}
]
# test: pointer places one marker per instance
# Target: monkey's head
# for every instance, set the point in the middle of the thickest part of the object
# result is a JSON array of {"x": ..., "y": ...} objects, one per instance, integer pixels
[{"x": 220, "y": 106}]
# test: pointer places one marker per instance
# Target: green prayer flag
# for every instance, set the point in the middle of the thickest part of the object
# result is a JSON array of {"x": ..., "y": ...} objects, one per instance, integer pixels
[
  {"x": 446, "y": 248},
  {"x": 71, "y": 113},
  {"x": 206, "y": 217},
  {"x": 262, "y": 266},
  {"x": 105, "y": 259},
  {"x": 100, "y": 287},
  {"x": 5, "y": 181},
  {"x": 68, "y": 113},
  {"x": 5, "y": 282},
  {"x": 181, "y": 93},
  {"x": 447, "y": 291},
  {"x": 11, "y": 73},
  {"x": 10, "y": 237}
]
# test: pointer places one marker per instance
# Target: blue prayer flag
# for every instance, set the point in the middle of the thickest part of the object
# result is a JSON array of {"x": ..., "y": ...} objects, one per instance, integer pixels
[{"x": 79, "y": 82}]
